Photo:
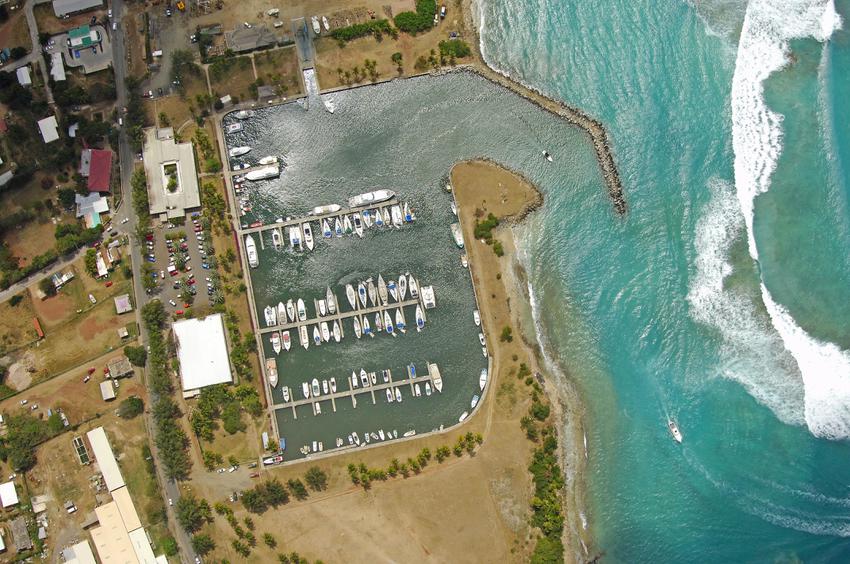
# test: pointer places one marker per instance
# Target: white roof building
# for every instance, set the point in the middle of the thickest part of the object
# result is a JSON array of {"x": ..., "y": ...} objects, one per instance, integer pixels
[
  {"x": 63, "y": 7},
  {"x": 57, "y": 67},
  {"x": 105, "y": 459},
  {"x": 49, "y": 129},
  {"x": 171, "y": 174},
  {"x": 8, "y": 494},
  {"x": 80, "y": 553},
  {"x": 24, "y": 78},
  {"x": 202, "y": 351}
]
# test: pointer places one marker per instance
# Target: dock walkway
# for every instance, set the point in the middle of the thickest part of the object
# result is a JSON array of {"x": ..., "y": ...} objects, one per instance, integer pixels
[{"x": 340, "y": 315}]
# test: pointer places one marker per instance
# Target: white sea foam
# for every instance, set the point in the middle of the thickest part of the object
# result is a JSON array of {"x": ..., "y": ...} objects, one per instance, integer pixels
[{"x": 757, "y": 142}]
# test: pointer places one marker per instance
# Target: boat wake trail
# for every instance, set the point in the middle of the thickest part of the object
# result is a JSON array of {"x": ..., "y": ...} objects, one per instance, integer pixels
[{"x": 757, "y": 142}]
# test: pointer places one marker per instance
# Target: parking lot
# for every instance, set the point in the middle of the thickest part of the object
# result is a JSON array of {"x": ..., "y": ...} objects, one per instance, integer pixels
[{"x": 179, "y": 254}]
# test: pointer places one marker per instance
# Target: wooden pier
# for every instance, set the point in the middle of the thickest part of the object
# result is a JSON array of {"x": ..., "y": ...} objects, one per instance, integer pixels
[{"x": 340, "y": 315}]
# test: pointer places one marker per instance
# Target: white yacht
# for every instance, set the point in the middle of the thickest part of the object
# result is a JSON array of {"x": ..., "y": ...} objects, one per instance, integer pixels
[
  {"x": 239, "y": 151},
  {"x": 290, "y": 309},
  {"x": 271, "y": 318},
  {"x": 326, "y": 23},
  {"x": 263, "y": 173},
  {"x": 346, "y": 225},
  {"x": 407, "y": 213},
  {"x": 285, "y": 392},
  {"x": 251, "y": 251},
  {"x": 330, "y": 299},
  {"x": 325, "y": 387},
  {"x": 326, "y": 229},
  {"x": 316, "y": 27},
  {"x": 326, "y": 209},
  {"x": 393, "y": 289},
  {"x": 271, "y": 370},
  {"x": 358, "y": 224},
  {"x": 351, "y": 295},
  {"x": 305, "y": 388},
  {"x": 399, "y": 321},
  {"x": 244, "y": 114},
  {"x": 354, "y": 382},
  {"x": 322, "y": 308},
  {"x": 379, "y": 322},
  {"x": 482, "y": 379},
  {"x": 463, "y": 417},
  {"x": 295, "y": 237},
  {"x": 361, "y": 292},
  {"x": 337, "y": 227},
  {"x": 388, "y": 324},
  {"x": 333, "y": 385},
  {"x": 302, "y": 311},
  {"x": 427, "y": 388},
  {"x": 390, "y": 396},
  {"x": 281, "y": 313},
  {"x": 474, "y": 401},
  {"x": 287, "y": 342},
  {"x": 314, "y": 387},
  {"x": 317, "y": 336},
  {"x": 367, "y": 218},
  {"x": 308, "y": 235},
  {"x": 674, "y": 430},
  {"x": 275, "y": 340},
  {"x": 436, "y": 378},
  {"x": 304, "y": 337},
  {"x": 379, "y": 218},
  {"x": 269, "y": 160},
  {"x": 372, "y": 291},
  {"x": 398, "y": 395},
  {"x": 364, "y": 378},
  {"x": 370, "y": 198},
  {"x": 326, "y": 331},
  {"x": 464, "y": 261},
  {"x": 367, "y": 330}
]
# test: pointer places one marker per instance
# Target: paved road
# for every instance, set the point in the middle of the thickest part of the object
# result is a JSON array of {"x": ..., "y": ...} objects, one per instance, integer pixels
[
  {"x": 22, "y": 285},
  {"x": 126, "y": 158}
]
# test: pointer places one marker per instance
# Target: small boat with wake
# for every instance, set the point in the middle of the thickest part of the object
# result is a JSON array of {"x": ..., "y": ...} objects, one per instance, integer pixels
[
  {"x": 674, "y": 430},
  {"x": 547, "y": 156}
]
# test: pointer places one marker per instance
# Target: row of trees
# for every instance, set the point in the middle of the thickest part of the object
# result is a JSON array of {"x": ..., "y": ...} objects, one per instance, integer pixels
[
  {"x": 376, "y": 28},
  {"x": 273, "y": 493}
]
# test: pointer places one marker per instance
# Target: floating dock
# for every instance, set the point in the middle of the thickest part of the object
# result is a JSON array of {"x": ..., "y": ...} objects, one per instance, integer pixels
[{"x": 339, "y": 316}]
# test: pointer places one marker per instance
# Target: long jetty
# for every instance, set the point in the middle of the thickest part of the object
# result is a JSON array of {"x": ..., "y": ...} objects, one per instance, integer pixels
[{"x": 340, "y": 315}]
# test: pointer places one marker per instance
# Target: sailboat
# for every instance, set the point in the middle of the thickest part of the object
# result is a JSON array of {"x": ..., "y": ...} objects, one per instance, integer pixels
[
  {"x": 303, "y": 337},
  {"x": 346, "y": 225},
  {"x": 322, "y": 308},
  {"x": 358, "y": 225},
  {"x": 372, "y": 291},
  {"x": 287, "y": 342},
  {"x": 290, "y": 310},
  {"x": 390, "y": 397},
  {"x": 351, "y": 295},
  {"x": 399, "y": 320},
  {"x": 413, "y": 287},
  {"x": 281, "y": 313},
  {"x": 357, "y": 331},
  {"x": 398, "y": 395},
  {"x": 308, "y": 235},
  {"x": 302, "y": 311},
  {"x": 330, "y": 299},
  {"x": 337, "y": 227},
  {"x": 396, "y": 214},
  {"x": 326, "y": 229},
  {"x": 387, "y": 219},
  {"x": 393, "y": 288},
  {"x": 402, "y": 287},
  {"x": 295, "y": 237},
  {"x": 388, "y": 324},
  {"x": 336, "y": 332},
  {"x": 420, "y": 318},
  {"x": 326, "y": 332},
  {"x": 379, "y": 219},
  {"x": 367, "y": 218},
  {"x": 305, "y": 388},
  {"x": 366, "y": 329},
  {"x": 354, "y": 382},
  {"x": 333, "y": 385},
  {"x": 361, "y": 291},
  {"x": 386, "y": 375},
  {"x": 408, "y": 215},
  {"x": 317, "y": 336},
  {"x": 382, "y": 290},
  {"x": 275, "y": 339},
  {"x": 379, "y": 322}
]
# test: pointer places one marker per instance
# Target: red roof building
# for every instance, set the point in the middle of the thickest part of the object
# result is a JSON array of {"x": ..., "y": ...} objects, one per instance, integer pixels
[{"x": 100, "y": 170}]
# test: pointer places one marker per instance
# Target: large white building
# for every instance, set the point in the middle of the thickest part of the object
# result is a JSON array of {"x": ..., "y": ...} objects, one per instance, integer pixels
[
  {"x": 202, "y": 351},
  {"x": 171, "y": 174}
]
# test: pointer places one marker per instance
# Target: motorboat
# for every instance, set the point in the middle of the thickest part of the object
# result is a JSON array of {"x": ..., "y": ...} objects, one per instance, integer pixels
[
  {"x": 325, "y": 387},
  {"x": 379, "y": 322},
  {"x": 330, "y": 299},
  {"x": 263, "y": 173},
  {"x": 302, "y": 311},
  {"x": 350, "y": 439},
  {"x": 290, "y": 309},
  {"x": 361, "y": 292},
  {"x": 287, "y": 342},
  {"x": 413, "y": 287},
  {"x": 386, "y": 375},
  {"x": 329, "y": 105},
  {"x": 399, "y": 321},
  {"x": 674, "y": 430},
  {"x": 427, "y": 388},
  {"x": 326, "y": 331},
  {"x": 234, "y": 127},
  {"x": 373, "y": 376},
  {"x": 285, "y": 392},
  {"x": 388, "y": 324},
  {"x": 326, "y": 24},
  {"x": 322, "y": 308},
  {"x": 295, "y": 237},
  {"x": 398, "y": 395},
  {"x": 336, "y": 332},
  {"x": 402, "y": 287},
  {"x": 271, "y": 371},
  {"x": 367, "y": 218},
  {"x": 381, "y": 434},
  {"x": 275, "y": 339},
  {"x": 326, "y": 229},
  {"x": 346, "y": 225},
  {"x": 547, "y": 156},
  {"x": 436, "y": 378},
  {"x": 482, "y": 379},
  {"x": 354, "y": 381},
  {"x": 318, "y": 408},
  {"x": 281, "y": 313},
  {"x": 244, "y": 114},
  {"x": 464, "y": 261},
  {"x": 317, "y": 336},
  {"x": 364, "y": 378},
  {"x": 356, "y": 438},
  {"x": 379, "y": 218},
  {"x": 396, "y": 215},
  {"x": 314, "y": 387},
  {"x": 382, "y": 290},
  {"x": 457, "y": 234},
  {"x": 272, "y": 460},
  {"x": 304, "y": 338},
  {"x": 239, "y": 151},
  {"x": 484, "y": 351},
  {"x": 420, "y": 318},
  {"x": 333, "y": 385},
  {"x": 454, "y": 208},
  {"x": 251, "y": 251},
  {"x": 326, "y": 209},
  {"x": 357, "y": 330},
  {"x": 277, "y": 239},
  {"x": 305, "y": 387},
  {"x": 474, "y": 401},
  {"x": 271, "y": 318},
  {"x": 393, "y": 289},
  {"x": 337, "y": 227},
  {"x": 481, "y": 339},
  {"x": 370, "y": 198},
  {"x": 366, "y": 438},
  {"x": 476, "y": 317},
  {"x": 463, "y": 417},
  {"x": 358, "y": 224},
  {"x": 351, "y": 295},
  {"x": 316, "y": 27},
  {"x": 410, "y": 433},
  {"x": 308, "y": 235},
  {"x": 372, "y": 291},
  {"x": 269, "y": 160},
  {"x": 417, "y": 391},
  {"x": 407, "y": 214}
]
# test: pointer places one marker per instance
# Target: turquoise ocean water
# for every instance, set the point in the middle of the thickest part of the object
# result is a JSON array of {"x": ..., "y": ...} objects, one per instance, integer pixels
[{"x": 723, "y": 298}]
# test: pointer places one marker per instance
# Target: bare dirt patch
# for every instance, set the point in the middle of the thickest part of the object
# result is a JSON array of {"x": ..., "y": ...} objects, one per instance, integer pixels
[
  {"x": 53, "y": 310},
  {"x": 16, "y": 32},
  {"x": 16, "y": 328},
  {"x": 280, "y": 68}
]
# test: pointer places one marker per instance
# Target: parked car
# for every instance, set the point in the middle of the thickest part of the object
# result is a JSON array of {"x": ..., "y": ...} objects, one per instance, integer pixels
[{"x": 173, "y": 303}]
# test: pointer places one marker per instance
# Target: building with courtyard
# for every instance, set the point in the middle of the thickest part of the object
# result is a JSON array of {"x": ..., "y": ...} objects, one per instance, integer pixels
[{"x": 171, "y": 174}]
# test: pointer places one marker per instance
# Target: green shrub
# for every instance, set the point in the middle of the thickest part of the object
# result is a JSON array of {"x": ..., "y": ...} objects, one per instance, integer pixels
[{"x": 420, "y": 20}]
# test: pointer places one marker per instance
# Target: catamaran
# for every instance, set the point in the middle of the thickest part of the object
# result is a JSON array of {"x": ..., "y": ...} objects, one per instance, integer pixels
[
  {"x": 336, "y": 332},
  {"x": 388, "y": 324},
  {"x": 277, "y": 239},
  {"x": 674, "y": 430},
  {"x": 346, "y": 225},
  {"x": 271, "y": 318},
  {"x": 361, "y": 292},
  {"x": 317, "y": 336},
  {"x": 413, "y": 286},
  {"x": 302, "y": 311},
  {"x": 482, "y": 379},
  {"x": 271, "y": 370},
  {"x": 239, "y": 151},
  {"x": 396, "y": 214},
  {"x": 371, "y": 290},
  {"x": 402, "y": 287},
  {"x": 399, "y": 320},
  {"x": 275, "y": 339},
  {"x": 436, "y": 378},
  {"x": 393, "y": 288},
  {"x": 326, "y": 229},
  {"x": 326, "y": 332},
  {"x": 370, "y": 198},
  {"x": 314, "y": 387},
  {"x": 304, "y": 337},
  {"x": 382, "y": 290},
  {"x": 351, "y": 295},
  {"x": 357, "y": 331},
  {"x": 251, "y": 251},
  {"x": 295, "y": 237},
  {"x": 331, "y": 301},
  {"x": 308, "y": 235},
  {"x": 420, "y": 318},
  {"x": 358, "y": 224},
  {"x": 287, "y": 342},
  {"x": 290, "y": 309},
  {"x": 337, "y": 227}
]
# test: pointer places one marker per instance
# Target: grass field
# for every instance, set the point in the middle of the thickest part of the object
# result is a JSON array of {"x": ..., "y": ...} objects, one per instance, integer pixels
[
  {"x": 16, "y": 328},
  {"x": 232, "y": 76},
  {"x": 280, "y": 68}
]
